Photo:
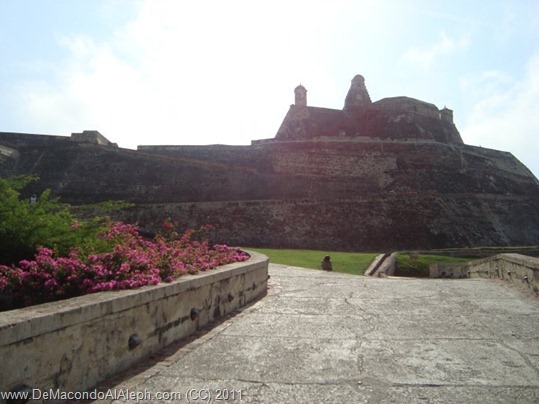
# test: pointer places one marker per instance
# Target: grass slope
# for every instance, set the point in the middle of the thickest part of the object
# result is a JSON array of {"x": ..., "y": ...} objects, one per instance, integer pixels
[
  {"x": 416, "y": 265},
  {"x": 352, "y": 263}
]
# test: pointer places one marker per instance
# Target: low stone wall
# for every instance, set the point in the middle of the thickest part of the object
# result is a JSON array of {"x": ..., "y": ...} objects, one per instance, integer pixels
[
  {"x": 443, "y": 270},
  {"x": 375, "y": 264},
  {"x": 511, "y": 267},
  {"x": 387, "y": 267},
  {"x": 477, "y": 252},
  {"x": 72, "y": 345}
]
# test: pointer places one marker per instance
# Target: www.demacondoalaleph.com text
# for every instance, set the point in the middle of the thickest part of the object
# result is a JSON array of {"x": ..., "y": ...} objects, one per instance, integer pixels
[{"x": 110, "y": 394}]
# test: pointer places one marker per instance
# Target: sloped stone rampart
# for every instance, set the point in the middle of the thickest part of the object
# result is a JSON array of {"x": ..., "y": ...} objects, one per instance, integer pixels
[
  {"x": 347, "y": 195},
  {"x": 74, "y": 344},
  {"x": 370, "y": 223}
]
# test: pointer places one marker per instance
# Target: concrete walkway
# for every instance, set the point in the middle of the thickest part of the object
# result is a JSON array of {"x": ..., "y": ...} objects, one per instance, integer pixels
[{"x": 322, "y": 337}]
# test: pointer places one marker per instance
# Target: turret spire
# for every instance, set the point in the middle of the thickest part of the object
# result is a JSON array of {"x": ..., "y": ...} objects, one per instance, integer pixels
[
  {"x": 301, "y": 96},
  {"x": 358, "y": 95}
]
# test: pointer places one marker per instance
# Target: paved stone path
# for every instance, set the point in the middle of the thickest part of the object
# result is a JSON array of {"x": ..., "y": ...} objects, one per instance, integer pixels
[{"x": 321, "y": 337}]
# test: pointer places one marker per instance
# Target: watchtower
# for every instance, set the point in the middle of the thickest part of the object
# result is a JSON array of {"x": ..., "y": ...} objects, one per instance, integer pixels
[
  {"x": 446, "y": 114},
  {"x": 301, "y": 96},
  {"x": 358, "y": 95}
]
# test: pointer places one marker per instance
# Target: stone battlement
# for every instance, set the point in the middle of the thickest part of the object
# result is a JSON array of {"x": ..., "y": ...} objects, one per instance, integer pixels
[{"x": 31, "y": 140}]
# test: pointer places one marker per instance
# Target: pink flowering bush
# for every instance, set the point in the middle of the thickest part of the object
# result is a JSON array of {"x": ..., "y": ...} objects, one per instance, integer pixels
[{"x": 133, "y": 262}]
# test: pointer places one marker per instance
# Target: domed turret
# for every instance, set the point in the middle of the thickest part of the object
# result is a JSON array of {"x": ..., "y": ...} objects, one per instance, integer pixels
[
  {"x": 301, "y": 96},
  {"x": 446, "y": 115},
  {"x": 358, "y": 95}
]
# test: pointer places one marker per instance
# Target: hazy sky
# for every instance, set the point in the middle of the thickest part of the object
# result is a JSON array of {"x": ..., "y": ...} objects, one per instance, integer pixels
[{"x": 205, "y": 72}]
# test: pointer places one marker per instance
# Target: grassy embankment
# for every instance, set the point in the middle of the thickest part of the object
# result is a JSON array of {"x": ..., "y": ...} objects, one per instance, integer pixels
[
  {"x": 351, "y": 263},
  {"x": 355, "y": 263}
]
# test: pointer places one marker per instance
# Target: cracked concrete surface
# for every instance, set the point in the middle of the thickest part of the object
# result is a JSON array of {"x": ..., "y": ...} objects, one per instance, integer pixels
[{"x": 332, "y": 338}]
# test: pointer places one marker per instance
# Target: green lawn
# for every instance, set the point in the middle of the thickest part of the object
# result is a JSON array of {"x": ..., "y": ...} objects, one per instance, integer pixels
[{"x": 352, "y": 263}]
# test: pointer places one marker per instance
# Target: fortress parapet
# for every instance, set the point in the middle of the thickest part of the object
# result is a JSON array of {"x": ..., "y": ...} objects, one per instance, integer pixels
[{"x": 17, "y": 140}]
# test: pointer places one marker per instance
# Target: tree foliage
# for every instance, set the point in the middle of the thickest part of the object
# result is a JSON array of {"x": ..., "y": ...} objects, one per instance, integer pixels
[
  {"x": 47, "y": 254},
  {"x": 40, "y": 221}
]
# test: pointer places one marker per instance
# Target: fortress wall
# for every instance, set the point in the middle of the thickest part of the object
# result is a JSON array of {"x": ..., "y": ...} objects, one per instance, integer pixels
[
  {"x": 358, "y": 224},
  {"x": 405, "y": 118},
  {"x": 88, "y": 173},
  {"x": 202, "y": 151},
  {"x": 497, "y": 160},
  {"x": 410, "y": 105},
  {"x": 245, "y": 156},
  {"x": 7, "y": 152},
  {"x": 400, "y": 166},
  {"x": 349, "y": 195},
  {"x": 393, "y": 118},
  {"x": 348, "y": 141},
  {"x": 311, "y": 122},
  {"x": 332, "y": 164},
  {"x": 85, "y": 173},
  {"x": 29, "y": 140},
  {"x": 82, "y": 173}
]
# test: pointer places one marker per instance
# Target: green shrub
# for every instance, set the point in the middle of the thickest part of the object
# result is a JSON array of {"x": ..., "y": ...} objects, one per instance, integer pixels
[{"x": 26, "y": 224}]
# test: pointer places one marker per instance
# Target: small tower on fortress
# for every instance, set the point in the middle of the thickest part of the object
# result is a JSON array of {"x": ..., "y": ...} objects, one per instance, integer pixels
[
  {"x": 446, "y": 114},
  {"x": 300, "y": 93},
  {"x": 357, "y": 96}
]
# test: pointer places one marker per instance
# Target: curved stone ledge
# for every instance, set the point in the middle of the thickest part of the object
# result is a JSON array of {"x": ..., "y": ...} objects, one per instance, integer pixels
[
  {"x": 510, "y": 267},
  {"x": 74, "y": 344}
]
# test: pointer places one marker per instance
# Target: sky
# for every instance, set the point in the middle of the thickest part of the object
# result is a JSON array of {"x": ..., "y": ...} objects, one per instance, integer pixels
[{"x": 146, "y": 72}]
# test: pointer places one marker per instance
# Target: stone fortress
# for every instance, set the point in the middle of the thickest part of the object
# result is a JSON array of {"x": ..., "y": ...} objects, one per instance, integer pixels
[
  {"x": 374, "y": 176},
  {"x": 361, "y": 119}
]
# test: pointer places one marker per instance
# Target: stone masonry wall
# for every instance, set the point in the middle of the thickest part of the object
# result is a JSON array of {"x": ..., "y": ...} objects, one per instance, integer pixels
[
  {"x": 344, "y": 195},
  {"x": 368, "y": 223},
  {"x": 74, "y": 344}
]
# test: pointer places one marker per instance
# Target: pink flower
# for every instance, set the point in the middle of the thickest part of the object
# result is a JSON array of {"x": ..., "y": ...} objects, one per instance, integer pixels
[
  {"x": 51, "y": 284},
  {"x": 3, "y": 282},
  {"x": 132, "y": 263}
]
